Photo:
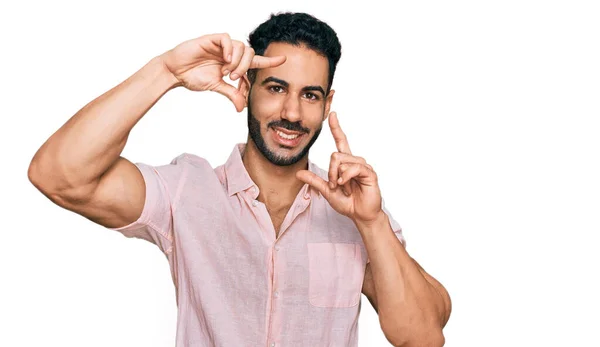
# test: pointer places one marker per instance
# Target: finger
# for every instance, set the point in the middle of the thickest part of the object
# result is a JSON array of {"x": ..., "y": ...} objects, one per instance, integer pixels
[
  {"x": 224, "y": 42},
  {"x": 227, "y": 47},
  {"x": 232, "y": 94},
  {"x": 351, "y": 171},
  {"x": 341, "y": 142},
  {"x": 338, "y": 158},
  {"x": 260, "y": 62},
  {"x": 347, "y": 186},
  {"x": 236, "y": 56},
  {"x": 244, "y": 63},
  {"x": 314, "y": 181}
]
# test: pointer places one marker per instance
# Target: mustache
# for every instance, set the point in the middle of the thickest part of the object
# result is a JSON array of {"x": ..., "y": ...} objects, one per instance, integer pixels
[{"x": 289, "y": 125}]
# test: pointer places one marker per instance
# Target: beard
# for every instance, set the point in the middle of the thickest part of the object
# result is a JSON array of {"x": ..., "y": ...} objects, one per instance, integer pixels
[{"x": 254, "y": 127}]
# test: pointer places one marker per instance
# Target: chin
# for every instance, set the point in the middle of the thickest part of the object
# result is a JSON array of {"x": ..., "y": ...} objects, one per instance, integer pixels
[
  {"x": 281, "y": 144},
  {"x": 282, "y": 155}
]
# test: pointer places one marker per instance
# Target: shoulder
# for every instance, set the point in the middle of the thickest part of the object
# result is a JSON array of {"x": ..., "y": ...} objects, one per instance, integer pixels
[
  {"x": 191, "y": 160},
  {"x": 187, "y": 162},
  {"x": 177, "y": 169}
]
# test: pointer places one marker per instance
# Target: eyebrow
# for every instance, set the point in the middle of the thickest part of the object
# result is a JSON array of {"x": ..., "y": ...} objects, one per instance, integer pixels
[{"x": 286, "y": 84}]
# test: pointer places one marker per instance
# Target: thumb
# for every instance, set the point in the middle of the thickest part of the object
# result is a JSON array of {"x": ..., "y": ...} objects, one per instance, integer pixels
[{"x": 232, "y": 94}]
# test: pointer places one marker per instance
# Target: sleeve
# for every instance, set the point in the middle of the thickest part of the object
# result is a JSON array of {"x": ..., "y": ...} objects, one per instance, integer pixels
[{"x": 155, "y": 224}]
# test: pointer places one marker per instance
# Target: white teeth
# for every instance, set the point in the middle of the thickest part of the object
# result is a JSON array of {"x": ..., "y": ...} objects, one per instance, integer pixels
[{"x": 286, "y": 136}]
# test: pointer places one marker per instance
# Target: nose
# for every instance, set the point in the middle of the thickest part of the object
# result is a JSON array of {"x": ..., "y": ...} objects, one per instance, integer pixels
[{"x": 291, "y": 108}]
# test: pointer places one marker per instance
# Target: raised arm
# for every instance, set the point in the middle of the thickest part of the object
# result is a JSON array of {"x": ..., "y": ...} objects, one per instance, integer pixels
[
  {"x": 413, "y": 307},
  {"x": 80, "y": 167}
]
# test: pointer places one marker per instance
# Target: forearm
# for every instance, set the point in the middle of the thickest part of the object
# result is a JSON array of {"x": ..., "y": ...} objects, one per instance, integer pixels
[
  {"x": 411, "y": 310},
  {"x": 91, "y": 141}
]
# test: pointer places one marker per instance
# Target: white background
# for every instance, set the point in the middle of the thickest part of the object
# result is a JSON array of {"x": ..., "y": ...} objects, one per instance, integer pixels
[{"x": 481, "y": 119}]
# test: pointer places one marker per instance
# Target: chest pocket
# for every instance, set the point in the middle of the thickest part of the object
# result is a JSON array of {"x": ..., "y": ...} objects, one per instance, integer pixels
[{"x": 336, "y": 273}]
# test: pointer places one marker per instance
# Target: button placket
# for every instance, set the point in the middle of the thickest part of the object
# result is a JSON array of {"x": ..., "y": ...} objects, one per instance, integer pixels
[{"x": 275, "y": 283}]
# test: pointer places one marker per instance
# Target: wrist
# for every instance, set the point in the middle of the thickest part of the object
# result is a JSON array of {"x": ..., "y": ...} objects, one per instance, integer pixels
[
  {"x": 165, "y": 73},
  {"x": 379, "y": 222}
]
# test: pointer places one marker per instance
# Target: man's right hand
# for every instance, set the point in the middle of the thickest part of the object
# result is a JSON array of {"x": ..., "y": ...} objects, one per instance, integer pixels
[
  {"x": 201, "y": 63},
  {"x": 80, "y": 167}
]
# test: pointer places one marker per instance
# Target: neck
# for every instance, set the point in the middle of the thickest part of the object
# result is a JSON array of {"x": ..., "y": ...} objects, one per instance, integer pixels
[{"x": 278, "y": 185}]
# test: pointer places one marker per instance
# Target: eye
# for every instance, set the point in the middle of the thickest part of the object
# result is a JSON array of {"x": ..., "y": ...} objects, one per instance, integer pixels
[
  {"x": 276, "y": 89},
  {"x": 311, "y": 96}
]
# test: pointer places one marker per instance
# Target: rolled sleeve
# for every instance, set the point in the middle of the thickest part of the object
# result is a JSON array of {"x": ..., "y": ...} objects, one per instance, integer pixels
[{"x": 155, "y": 224}]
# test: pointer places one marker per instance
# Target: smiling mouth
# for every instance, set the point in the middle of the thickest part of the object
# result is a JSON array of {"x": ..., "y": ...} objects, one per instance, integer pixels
[{"x": 287, "y": 138}]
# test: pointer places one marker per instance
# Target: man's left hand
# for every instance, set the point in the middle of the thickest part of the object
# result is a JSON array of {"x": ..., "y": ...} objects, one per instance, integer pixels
[{"x": 353, "y": 189}]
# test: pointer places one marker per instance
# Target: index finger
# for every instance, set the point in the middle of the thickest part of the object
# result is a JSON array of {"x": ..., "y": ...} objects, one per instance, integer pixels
[
  {"x": 341, "y": 142},
  {"x": 260, "y": 62},
  {"x": 224, "y": 41}
]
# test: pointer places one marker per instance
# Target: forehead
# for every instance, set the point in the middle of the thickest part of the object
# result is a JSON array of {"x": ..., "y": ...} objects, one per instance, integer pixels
[{"x": 303, "y": 66}]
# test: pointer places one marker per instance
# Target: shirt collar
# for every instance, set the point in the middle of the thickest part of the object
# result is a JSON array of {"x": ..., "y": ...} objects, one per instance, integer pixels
[{"x": 239, "y": 180}]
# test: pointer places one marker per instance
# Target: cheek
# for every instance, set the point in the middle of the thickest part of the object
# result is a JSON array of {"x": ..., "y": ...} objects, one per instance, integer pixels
[
  {"x": 313, "y": 115},
  {"x": 266, "y": 108}
]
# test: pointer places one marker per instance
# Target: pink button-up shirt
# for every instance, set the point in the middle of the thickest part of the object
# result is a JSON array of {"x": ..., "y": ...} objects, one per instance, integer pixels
[{"x": 236, "y": 283}]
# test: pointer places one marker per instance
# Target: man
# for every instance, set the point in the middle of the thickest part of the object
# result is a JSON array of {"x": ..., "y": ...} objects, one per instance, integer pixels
[{"x": 267, "y": 249}]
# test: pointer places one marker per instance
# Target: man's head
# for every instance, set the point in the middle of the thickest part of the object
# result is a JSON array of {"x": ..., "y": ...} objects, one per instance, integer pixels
[{"x": 287, "y": 104}]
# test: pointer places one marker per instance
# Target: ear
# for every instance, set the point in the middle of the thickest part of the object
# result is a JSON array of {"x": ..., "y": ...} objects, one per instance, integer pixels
[
  {"x": 328, "y": 101},
  {"x": 244, "y": 87}
]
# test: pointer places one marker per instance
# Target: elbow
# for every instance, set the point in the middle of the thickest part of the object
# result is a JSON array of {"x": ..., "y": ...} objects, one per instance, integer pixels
[
  {"x": 434, "y": 339},
  {"x": 35, "y": 176},
  {"x": 54, "y": 187},
  {"x": 41, "y": 179},
  {"x": 414, "y": 336}
]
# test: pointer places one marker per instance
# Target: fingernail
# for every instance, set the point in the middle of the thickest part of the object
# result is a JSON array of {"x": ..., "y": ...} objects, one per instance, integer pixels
[
  {"x": 340, "y": 180},
  {"x": 234, "y": 76},
  {"x": 225, "y": 73},
  {"x": 229, "y": 58},
  {"x": 331, "y": 185}
]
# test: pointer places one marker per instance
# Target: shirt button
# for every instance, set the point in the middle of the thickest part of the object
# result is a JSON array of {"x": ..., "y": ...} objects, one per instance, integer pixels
[
  {"x": 254, "y": 203},
  {"x": 273, "y": 344},
  {"x": 276, "y": 294},
  {"x": 253, "y": 190},
  {"x": 277, "y": 248}
]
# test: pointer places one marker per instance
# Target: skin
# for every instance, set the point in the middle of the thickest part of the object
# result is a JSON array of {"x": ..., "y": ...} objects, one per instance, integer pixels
[
  {"x": 413, "y": 307},
  {"x": 273, "y": 101},
  {"x": 89, "y": 177}
]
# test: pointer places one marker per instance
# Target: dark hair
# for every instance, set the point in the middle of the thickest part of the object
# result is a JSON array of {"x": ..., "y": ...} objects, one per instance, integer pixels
[{"x": 297, "y": 29}]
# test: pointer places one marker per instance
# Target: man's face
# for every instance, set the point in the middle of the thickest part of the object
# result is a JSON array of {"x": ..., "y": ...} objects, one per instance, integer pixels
[{"x": 287, "y": 104}]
